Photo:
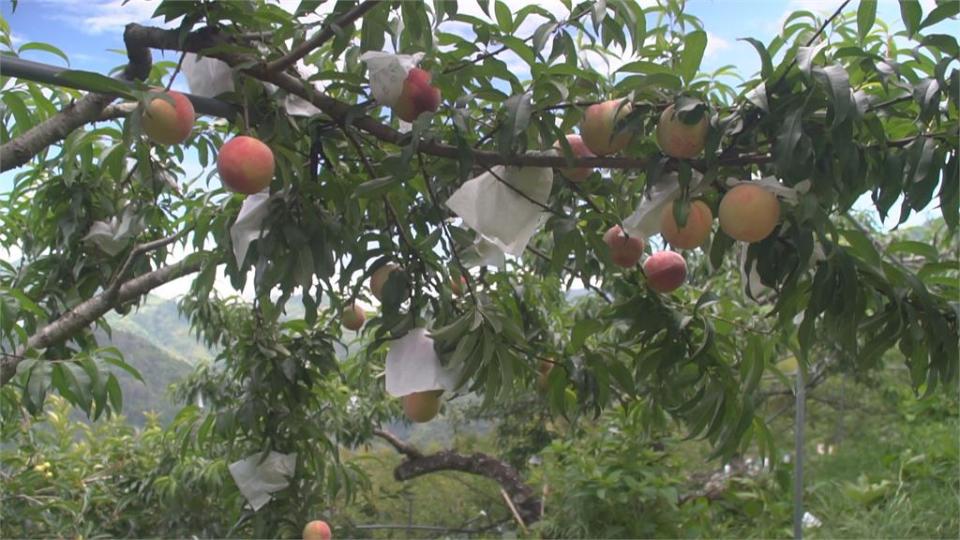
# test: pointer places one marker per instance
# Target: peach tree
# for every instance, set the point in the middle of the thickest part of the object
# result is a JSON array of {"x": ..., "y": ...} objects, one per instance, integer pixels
[{"x": 364, "y": 171}]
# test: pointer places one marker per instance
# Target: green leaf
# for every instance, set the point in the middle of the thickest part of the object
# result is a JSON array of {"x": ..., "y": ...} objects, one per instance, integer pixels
[
  {"x": 806, "y": 55},
  {"x": 862, "y": 246},
  {"x": 915, "y": 248},
  {"x": 518, "y": 109},
  {"x": 837, "y": 83},
  {"x": 95, "y": 82},
  {"x": 766, "y": 64},
  {"x": 866, "y": 16},
  {"x": 943, "y": 11},
  {"x": 523, "y": 51},
  {"x": 719, "y": 246},
  {"x": 644, "y": 66},
  {"x": 377, "y": 187},
  {"x": 484, "y": 6},
  {"x": 583, "y": 329},
  {"x": 694, "y": 44},
  {"x": 118, "y": 362},
  {"x": 541, "y": 34},
  {"x": 45, "y": 47},
  {"x": 950, "y": 195},
  {"x": 114, "y": 394},
  {"x": 22, "y": 118},
  {"x": 910, "y": 12},
  {"x": 373, "y": 30},
  {"x": 504, "y": 17}
]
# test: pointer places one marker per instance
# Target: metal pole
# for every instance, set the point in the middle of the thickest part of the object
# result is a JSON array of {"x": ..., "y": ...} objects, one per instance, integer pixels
[
  {"x": 44, "y": 73},
  {"x": 798, "y": 452}
]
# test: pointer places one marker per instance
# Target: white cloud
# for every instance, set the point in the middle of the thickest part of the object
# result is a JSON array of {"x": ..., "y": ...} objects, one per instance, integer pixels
[
  {"x": 715, "y": 44},
  {"x": 103, "y": 16}
]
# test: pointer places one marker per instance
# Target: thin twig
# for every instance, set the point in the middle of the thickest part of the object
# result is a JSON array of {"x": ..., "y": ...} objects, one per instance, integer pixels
[
  {"x": 138, "y": 250},
  {"x": 530, "y": 199},
  {"x": 320, "y": 37},
  {"x": 446, "y": 232},
  {"x": 176, "y": 71},
  {"x": 585, "y": 281},
  {"x": 513, "y": 510}
]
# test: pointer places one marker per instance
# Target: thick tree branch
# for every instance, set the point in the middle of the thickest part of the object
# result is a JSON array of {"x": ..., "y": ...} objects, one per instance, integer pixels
[
  {"x": 90, "y": 310},
  {"x": 321, "y": 37},
  {"x": 21, "y": 149},
  {"x": 400, "y": 446},
  {"x": 521, "y": 495},
  {"x": 87, "y": 109}
]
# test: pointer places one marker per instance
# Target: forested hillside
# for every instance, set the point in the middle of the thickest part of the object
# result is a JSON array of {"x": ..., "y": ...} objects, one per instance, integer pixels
[{"x": 157, "y": 367}]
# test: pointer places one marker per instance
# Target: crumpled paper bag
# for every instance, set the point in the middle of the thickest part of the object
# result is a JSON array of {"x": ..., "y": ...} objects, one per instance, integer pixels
[
  {"x": 387, "y": 71},
  {"x": 246, "y": 229},
  {"x": 645, "y": 220},
  {"x": 115, "y": 235},
  {"x": 483, "y": 252},
  {"x": 207, "y": 77},
  {"x": 498, "y": 212},
  {"x": 257, "y": 481},
  {"x": 413, "y": 366}
]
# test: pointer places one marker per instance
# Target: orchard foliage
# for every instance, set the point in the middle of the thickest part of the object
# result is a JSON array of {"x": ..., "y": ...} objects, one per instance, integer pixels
[{"x": 844, "y": 108}]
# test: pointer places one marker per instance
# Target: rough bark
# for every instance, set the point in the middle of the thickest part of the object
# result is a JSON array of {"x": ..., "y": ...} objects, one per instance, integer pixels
[{"x": 417, "y": 464}]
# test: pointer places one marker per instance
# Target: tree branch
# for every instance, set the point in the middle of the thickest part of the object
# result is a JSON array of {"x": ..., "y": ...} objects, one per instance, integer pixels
[
  {"x": 92, "y": 309},
  {"x": 521, "y": 495},
  {"x": 341, "y": 112},
  {"x": 399, "y": 445},
  {"x": 87, "y": 109},
  {"x": 321, "y": 37}
]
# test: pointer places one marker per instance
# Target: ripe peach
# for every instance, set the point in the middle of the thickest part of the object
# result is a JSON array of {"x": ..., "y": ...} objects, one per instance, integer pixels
[
  {"x": 543, "y": 375},
  {"x": 379, "y": 279},
  {"x": 679, "y": 140},
  {"x": 245, "y": 165},
  {"x": 417, "y": 97},
  {"x": 168, "y": 124},
  {"x": 665, "y": 270},
  {"x": 625, "y": 250},
  {"x": 579, "y": 149},
  {"x": 421, "y": 406},
  {"x": 749, "y": 213},
  {"x": 694, "y": 233},
  {"x": 600, "y": 121},
  {"x": 457, "y": 286},
  {"x": 353, "y": 317},
  {"x": 317, "y": 530}
]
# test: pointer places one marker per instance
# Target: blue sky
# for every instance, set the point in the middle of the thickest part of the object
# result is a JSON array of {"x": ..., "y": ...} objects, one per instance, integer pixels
[{"x": 90, "y": 32}]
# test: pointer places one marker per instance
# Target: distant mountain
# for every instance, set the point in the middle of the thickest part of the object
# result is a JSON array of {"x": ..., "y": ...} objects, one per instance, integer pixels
[
  {"x": 159, "y": 321},
  {"x": 157, "y": 367}
]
